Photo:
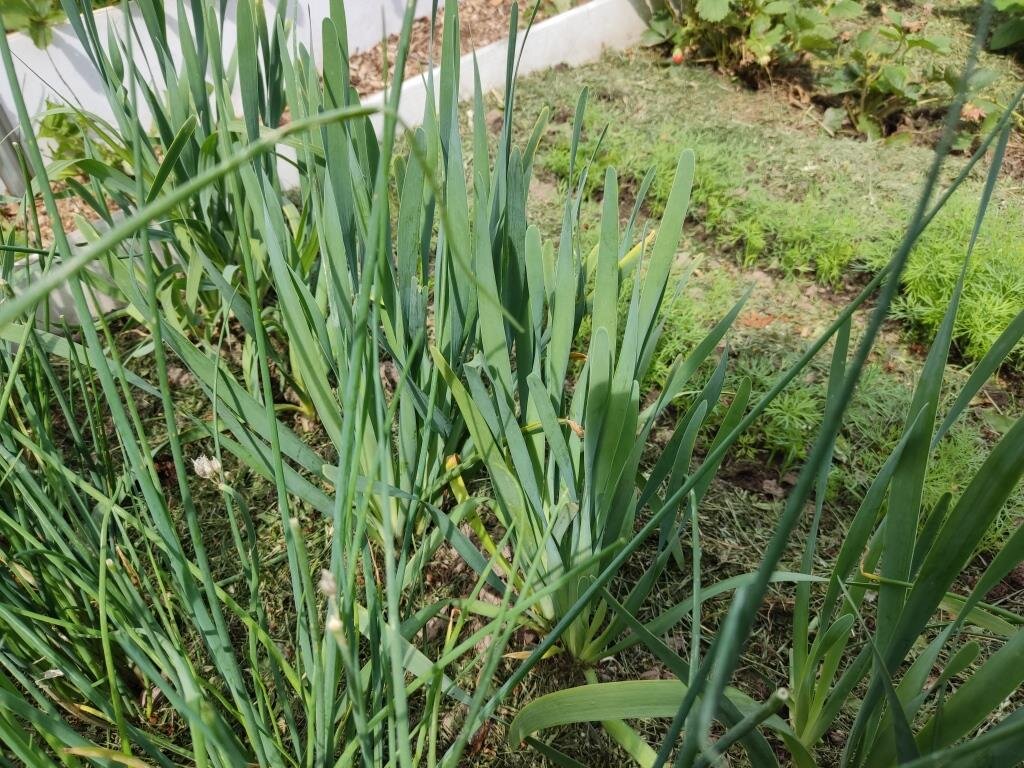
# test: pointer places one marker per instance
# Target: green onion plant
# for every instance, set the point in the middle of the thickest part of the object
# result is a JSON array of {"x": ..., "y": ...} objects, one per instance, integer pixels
[{"x": 189, "y": 577}]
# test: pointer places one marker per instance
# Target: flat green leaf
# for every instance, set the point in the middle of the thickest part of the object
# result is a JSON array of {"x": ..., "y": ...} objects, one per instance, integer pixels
[
  {"x": 965, "y": 526},
  {"x": 603, "y": 701},
  {"x": 1001, "y": 745},
  {"x": 931, "y": 43},
  {"x": 174, "y": 152},
  {"x": 665, "y": 245},
  {"x": 652, "y": 37},
  {"x": 713, "y": 10},
  {"x": 1007, "y": 34},
  {"x": 846, "y": 9},
  {"x": 606, "y": 278}
]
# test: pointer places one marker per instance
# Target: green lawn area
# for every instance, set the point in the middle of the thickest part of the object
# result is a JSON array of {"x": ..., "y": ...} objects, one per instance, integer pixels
[
  {"x": 804, "y": 218},
  {"x": 774, "y": 190}
]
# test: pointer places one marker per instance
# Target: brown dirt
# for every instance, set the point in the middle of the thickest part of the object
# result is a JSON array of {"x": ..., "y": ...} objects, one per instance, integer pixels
[
  {"x": 1009, "y": 587},
  {"x": 481, "y": 22},
  {"x": 12, "y": 216},
  {"x": 1013, "y": 163}
]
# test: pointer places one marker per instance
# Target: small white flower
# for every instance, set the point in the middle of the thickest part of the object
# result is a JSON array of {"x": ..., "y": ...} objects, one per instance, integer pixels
[
  {"x": 328, "y": 586},
  {"x": 206, "y": 467},
  {"x": 334, "y": 625}
]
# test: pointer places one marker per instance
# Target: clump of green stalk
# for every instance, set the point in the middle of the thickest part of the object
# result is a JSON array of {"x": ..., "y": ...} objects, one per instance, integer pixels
[
  {"x": 562, "y": 433},
  {"x": 124, "y": 637}
]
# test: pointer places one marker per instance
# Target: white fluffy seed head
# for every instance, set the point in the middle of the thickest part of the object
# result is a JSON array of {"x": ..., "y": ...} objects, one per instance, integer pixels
[
  {"x": 328, "y": 586},
  {"x": 206, "y": 467}
]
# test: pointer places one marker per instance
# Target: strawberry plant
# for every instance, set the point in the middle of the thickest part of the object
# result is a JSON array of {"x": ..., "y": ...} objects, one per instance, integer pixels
[
  {"x": 877, "y": 78},
  {"x": 1010, "y": 31},
  {"x": 749, "y": 37},
  {"x": 34, "y": 17}
]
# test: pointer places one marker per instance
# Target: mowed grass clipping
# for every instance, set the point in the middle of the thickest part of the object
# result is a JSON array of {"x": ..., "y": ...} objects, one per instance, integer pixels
[{"x": 772, "y": 188}]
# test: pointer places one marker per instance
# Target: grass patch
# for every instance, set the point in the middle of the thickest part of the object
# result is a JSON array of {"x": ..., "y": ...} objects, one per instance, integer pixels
[
  {"x": 780, "y": 315},
  {"x": 773, "y": 189},
  {"x": 804, "y": 221}
]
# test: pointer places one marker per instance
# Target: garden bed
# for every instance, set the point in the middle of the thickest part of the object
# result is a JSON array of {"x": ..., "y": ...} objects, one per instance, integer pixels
[
  {"x": 410, "y": 463},
  {"x": 61, "y": 74},
  {"x": 481, "y": 21}
]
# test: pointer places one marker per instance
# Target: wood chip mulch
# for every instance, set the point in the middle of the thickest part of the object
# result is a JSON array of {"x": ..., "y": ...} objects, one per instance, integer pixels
[
  {"x": 12, "y": 217},
  {"x": 481, "y": 22}
]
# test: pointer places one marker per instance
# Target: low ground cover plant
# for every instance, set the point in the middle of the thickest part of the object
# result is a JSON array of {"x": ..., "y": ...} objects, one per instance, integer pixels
[
  {"x": 1010, "y": 30},
  {"x": 876, "y": 79},
  {"x": 831, "y": 208},
  {"x": 424, "y": 388},
  {"x": 873, "y": 69}
]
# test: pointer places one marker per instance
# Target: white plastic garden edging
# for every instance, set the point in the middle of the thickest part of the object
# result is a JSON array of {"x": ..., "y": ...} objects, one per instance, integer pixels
[
  {"x": 61, "y": 73},
  {"x": 575, "y": 37}
]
